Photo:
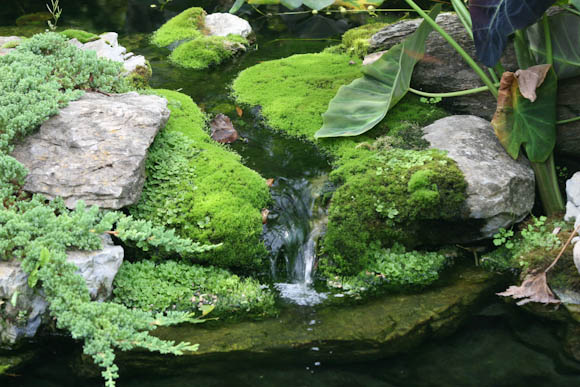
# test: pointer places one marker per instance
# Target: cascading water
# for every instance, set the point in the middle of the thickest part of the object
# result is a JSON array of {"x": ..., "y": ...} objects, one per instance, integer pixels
[{"x": 292, "y": 236}]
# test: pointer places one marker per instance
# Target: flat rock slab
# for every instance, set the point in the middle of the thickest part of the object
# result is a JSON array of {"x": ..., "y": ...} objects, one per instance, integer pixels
[
  {"x": 384, "y": 326},
  {"x": 94, "y": 149},
  {"x": 500, "y": 189}
]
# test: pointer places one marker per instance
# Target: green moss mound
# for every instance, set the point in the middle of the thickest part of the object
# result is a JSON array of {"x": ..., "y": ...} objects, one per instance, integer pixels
[
  {"x": 178, "y": 286},
  {"x": 356, "y": 40},
  {"x": 200, "y": 188},
  {"x": 387, "y": 197},
  {"x": 34, "y": 19},
  {"x": 205, "y": 51},
  {"x": 186, "y": 25},
  {"x": 294, "y": 92},
  {"x": 80, "y": 35}
]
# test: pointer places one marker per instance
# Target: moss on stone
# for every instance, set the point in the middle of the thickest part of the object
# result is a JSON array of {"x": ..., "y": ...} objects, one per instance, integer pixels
[
  {"x": 388, "y": 197},
  {"x": 35, "y": 19},
  {"x": 202, "y": 190},
  {"x": 187, "y": 25},
  {"x": 205, "y": 51},
  {"x": 80, "y": 35},
  {"x": 11, "y": 44},
  {"x": 356, "y": 41},
  {"x": 139, "y": 78},
  {"x": 294, "y": 92}
]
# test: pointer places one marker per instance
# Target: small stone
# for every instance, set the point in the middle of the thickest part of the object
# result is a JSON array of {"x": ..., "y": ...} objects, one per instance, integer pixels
[{"x": 224, "y": 24}]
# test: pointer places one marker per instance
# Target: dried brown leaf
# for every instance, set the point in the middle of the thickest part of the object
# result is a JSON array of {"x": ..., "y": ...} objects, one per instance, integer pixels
[
  {"x": 265, "y": 213},
  {"x": 270, "y": 182},
  {"x": 530, "y": 79},
  {"x": 534, "y": 288},
  {"x": 239, "y": 111}
]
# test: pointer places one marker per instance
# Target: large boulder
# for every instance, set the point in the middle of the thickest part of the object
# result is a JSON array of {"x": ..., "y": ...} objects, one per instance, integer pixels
[
  {"x": 24, "y": 309},
  {"x": 444, "y": 70},
  {"x": 94, "y": 149},
  {"x": 500, "y": 190}
]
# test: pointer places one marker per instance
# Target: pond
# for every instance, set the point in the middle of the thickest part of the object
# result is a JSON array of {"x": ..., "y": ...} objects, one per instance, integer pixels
[{"x": 497, "y": 345}]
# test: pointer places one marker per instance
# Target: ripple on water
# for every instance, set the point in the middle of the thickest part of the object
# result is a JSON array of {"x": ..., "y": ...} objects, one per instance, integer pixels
[{"x": 300, "y": 294}]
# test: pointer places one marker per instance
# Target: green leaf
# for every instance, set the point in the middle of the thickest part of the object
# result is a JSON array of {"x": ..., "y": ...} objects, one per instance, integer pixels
[
  {"x": 565, "y": 34},
  {"x": 237, "y": 5},
  {"x": 518, "y": 121},
  {"x": 362, "y": 104},
  {"x": 318, "y": 4},
  {"x": 291, "y": 4},
  {"x": 576, "y": 3}
]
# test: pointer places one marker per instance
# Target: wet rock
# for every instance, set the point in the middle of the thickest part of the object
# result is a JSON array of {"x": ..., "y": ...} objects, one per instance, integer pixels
[
  {"x": 108, "y": 47},
  {"x": 94, "y": 149},
  {"x": 23, "y": 319},
  {"x": 223, "y": 24},
  {"x": 500, "y": 190},
  {"x": 222, "y": 129},
  {"x": 381, "y": 327},
  {"x": 573, "y": 198}
]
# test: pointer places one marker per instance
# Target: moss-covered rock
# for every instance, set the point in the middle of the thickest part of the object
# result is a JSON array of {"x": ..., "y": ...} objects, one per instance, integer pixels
[
  {"x": 80, "y": 35},
  {"x": 201, "y": 189},
  {"x": 206, "y": 51},
  {"x": 139, "y": 78},
  {"x": 196, "y": 50},
  {"x": 185, "y": 26},
  {"x": 34, "y": 19},
  {"x": 386, "y": 197}
]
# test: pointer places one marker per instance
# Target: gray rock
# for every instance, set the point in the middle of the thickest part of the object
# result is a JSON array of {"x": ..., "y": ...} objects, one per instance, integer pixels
[
  {"x": 223, "y": 24},
  {"x": 573, "y": 198},
  {"x": 7, "y": 39},
  {"x": 108, "y": 47},
  {"x": 94, "y": 149},
  {"x": 568, "y": 140},
  {"x": 500, "y": 190},
  {"x": 98, "y": 268}
]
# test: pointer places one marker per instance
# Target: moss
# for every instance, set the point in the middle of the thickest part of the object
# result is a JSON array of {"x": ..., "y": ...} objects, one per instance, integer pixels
[
  {"x": 205, "y": 51},
  {"x": 388, "y": 197},
  {"x": 356, "y": 40},
  {"x": 36, "y": 19},
  {"x": 201, "y": 189},
  {"x": 295, "y": 91},
  {"x": 80, "y": 35},
  {"x": 187, "y": 25},
  {"x": 11, "y": 44},
  {"x": 139, "y": 78},
  {"x": 178, "y": 286}
]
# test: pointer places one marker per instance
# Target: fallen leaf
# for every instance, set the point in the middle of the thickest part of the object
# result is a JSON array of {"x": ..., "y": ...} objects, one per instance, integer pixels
[
  {"x": 270, "y": 182},
  {"x": 534, "y": 288},
  {"x": 265, "y": 213},
  {"x": 239, "y": 111},
  {"x": 530, "y": 79},
  {"x": 222, "y": 129}
]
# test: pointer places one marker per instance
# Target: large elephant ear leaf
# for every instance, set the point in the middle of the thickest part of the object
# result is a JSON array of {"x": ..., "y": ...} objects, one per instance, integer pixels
[
  {"x": 494, "y": 20},
  {"x": 318, "y": 4},
  {"x": 362, "y": 104},
  {"x": 518, "y": 121},
  {"x": 576, "y": 3},
  {"x": 291, "y": 4},
  {"x": 565, "y": 36}
]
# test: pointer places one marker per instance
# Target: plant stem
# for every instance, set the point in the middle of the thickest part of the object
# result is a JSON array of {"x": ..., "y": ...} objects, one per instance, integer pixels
[
  {"x": 571, "y": 10},
  {"x": 547, "y": 36},
  {"x": 463, "y": 15},
  {"x": 566, "y": 121},
  {"x": 486, "y": 80},
  {"x": 449, "y": 94},
  {"x": 547, "y": 183}
]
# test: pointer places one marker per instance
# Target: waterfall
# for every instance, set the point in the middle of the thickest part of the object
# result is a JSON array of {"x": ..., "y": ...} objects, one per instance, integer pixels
[{"x": 292, "y": 236}]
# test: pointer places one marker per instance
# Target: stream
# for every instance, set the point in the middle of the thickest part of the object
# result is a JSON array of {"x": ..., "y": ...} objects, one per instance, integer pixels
[{"x": 499, "y": 345}]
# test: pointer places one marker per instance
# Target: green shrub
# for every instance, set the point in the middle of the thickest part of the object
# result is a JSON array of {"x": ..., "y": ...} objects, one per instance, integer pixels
[
  {"x": 388, "y": 196},
  {"x": 200, "y": 188},
  {"x": 187, "y": 25},
  {"x": 177, "y": 286},
  {"x": 393, "y": 269}
]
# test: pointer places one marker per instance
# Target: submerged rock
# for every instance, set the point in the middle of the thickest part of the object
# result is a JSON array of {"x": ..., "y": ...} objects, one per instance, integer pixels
[
  {"x": 500, "y": 190},
  {"x": 94, "y": 149},
  {"x": 384, "y": 326},
  {"x": 25, "y": 309}
]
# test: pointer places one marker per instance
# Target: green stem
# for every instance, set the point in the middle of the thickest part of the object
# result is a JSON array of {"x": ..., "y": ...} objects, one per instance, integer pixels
[
  {"x": 547, "y": 35},
  {"x": 463, "y": 15},
  {"x": 486, "y": 80},
  {"x": 571, "y": 10},
  {"x": 547, "y": 183},
  {"x": 493, "y": 76},
  {"x": 567, "y": 121},
  {"x": 449, "y": 94}
]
